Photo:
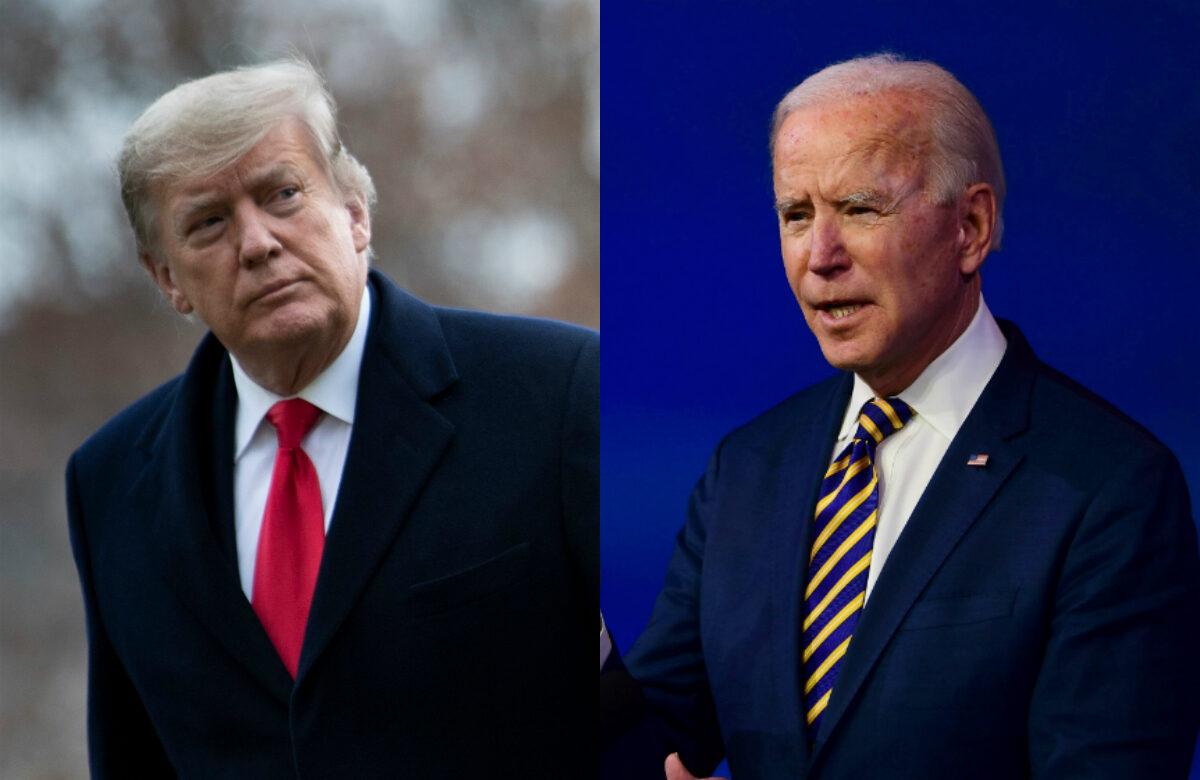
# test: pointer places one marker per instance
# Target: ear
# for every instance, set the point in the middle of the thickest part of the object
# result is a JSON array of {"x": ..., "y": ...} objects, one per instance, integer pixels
[
  {"x": 360, "y": 222},
  {"x": 161, "y": 274},
  {"x": 976, "y": 226}
]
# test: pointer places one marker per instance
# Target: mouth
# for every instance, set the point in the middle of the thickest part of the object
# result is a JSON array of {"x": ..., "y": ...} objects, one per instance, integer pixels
[
  {"x": 274, "y": 289},
  {"x": 838, "y": 312},
  {"x": 844, "y": 311}
]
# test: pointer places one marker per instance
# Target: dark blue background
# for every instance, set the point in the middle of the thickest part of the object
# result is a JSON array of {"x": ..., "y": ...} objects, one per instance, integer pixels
[{"x": 1097, "y": 108}]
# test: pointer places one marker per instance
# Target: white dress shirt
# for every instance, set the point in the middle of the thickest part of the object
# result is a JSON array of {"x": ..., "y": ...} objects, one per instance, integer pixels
[
  {"x": 941, "y": 398},
  {"x": 334, "y": 392}
]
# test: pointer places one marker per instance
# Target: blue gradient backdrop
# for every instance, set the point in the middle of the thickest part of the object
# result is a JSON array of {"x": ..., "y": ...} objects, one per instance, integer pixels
[{"x": 1097, "y": 108}]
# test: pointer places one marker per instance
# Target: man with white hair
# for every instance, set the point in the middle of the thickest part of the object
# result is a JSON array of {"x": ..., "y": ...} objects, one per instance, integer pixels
[
  {"x": 357, "y": 537},
  {"x": 947, "y": 561}
]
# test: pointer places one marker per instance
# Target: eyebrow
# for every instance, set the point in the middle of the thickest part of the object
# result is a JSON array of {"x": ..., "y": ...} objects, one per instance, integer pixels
[
  {"x": 193, "y": 208},
  {"x": 862, "y": 198},
  {"x": 856, "y": 198},
  {"x": 787, "y": 204},
  {"x": 275, "y": 176}
]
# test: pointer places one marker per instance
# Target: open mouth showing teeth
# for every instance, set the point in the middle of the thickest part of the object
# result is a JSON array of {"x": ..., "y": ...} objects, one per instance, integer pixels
[{"x": 839, "y": 312}]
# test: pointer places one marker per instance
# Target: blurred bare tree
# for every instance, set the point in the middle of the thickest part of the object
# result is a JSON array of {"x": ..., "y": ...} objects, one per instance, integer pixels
[{"x": 479, "y": 122}]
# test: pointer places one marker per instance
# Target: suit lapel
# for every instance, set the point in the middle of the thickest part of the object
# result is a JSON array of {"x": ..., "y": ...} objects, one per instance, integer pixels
[
  {"x": 189, "y": 518},
  {"x": 956, "y": 496},
  {"x": 397, "y": 441},
  {"x": 804, "y": 462}
]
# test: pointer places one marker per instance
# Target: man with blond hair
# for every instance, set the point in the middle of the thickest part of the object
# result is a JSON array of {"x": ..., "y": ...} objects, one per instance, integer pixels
[
  {"x": 357, "y": 536},
  {"x": 948, "y": 560}
]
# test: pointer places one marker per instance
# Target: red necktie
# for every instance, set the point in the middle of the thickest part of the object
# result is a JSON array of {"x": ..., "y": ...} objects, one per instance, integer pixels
[{"x": 292, "y": 535}]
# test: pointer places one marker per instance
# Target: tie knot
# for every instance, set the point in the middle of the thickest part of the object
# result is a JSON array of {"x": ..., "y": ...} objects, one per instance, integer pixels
[
  {"x": 292, "y": 419},
  {"x": 881, "y": 417}
]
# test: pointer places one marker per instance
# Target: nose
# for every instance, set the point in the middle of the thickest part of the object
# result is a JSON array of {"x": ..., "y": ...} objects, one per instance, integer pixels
[
  {"x": 827, "y": 254},
  {"x": 256, "y": 241}
]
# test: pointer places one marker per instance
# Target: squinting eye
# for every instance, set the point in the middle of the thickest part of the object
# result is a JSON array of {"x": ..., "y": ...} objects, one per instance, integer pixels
[
  {"x": 289, "y": 192},
  {"x": 206, "y": 223},
  {"x": 856, "y": 211}
]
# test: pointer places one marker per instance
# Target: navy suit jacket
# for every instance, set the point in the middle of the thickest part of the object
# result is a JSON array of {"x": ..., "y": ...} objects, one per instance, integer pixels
[
  {"x": 1037, "y": 616},
  {"x": 452, "y": 631}
]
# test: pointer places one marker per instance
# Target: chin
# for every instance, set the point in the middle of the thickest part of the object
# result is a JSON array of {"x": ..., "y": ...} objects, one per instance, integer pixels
[
  {"x": 292, "y": 324},
  {"x": 847, "y": 356}
]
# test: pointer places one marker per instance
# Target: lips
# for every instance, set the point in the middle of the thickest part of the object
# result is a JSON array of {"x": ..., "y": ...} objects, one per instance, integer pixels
[{"x": 274, "y": 287}]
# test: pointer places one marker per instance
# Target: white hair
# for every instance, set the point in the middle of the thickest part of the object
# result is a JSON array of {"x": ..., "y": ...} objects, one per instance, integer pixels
[
  {"x": 964, "y": 149},
  {"x": 201, "y": 127}
]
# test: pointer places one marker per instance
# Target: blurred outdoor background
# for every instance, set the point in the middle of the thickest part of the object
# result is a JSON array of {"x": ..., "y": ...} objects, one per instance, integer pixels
[{"x": 479, "y": 122}]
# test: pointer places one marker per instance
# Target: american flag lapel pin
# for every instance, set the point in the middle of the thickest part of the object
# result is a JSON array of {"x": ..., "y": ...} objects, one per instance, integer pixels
[{"x": 979, "y": 459}]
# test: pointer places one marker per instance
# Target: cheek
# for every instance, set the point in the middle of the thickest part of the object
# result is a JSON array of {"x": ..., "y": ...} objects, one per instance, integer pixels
[
  {"x": 194, "y": 277},
  {"x": 924, "y": 285},
  {"x": 921, "y": 238},
  {"x": 795, "y": 258}
]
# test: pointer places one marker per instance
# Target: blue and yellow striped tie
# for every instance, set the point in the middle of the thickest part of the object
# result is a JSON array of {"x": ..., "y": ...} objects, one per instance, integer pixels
[{"x": 840, "y": 557}]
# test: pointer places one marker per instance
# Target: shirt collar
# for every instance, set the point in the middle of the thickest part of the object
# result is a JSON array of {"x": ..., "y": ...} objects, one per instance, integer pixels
[
  {"x": 946, "y": 391},
  {"x": 334, "y": 391}
]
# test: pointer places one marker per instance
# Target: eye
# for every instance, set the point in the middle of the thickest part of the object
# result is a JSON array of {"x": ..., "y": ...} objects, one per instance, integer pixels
[
  {"x": 206, "y": 223},
  {"x": 857, "y": 211},
  {"x": 284, "y": 200},
  {"x": 795, "y": 217}
]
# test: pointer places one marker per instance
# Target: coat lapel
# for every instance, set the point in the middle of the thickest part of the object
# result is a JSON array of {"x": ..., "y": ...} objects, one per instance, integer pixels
[
  {"x": 956, "y": 496},
  {"x": 397, "y": 441},
  {"x": 802, "y": 466},
  {"x": 182, "y": 484}
]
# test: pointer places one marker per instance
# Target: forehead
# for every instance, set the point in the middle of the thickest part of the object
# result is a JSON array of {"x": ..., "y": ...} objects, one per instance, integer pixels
[
  {"x": 287, "y": 146},
  {"x": 859, "y": 136}
]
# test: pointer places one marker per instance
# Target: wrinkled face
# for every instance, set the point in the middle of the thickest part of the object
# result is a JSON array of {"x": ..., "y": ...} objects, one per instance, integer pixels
[
  {"x": 874, "y": 264},
  {"x": 267, "y": 252}
]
